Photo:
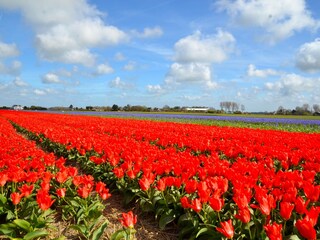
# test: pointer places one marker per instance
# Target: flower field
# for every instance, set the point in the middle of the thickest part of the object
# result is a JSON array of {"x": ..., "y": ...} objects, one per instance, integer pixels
[{"x": 211, "y": 182}]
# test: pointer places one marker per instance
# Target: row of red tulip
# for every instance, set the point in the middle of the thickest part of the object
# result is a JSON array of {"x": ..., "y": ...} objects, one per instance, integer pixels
[
  {"x": 243, "y": 174},
  {"x": 33, "y": 181}
]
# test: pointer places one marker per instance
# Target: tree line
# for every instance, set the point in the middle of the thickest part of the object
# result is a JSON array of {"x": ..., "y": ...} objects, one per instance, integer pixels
[
  {"x": 232, "y": 107},
  {"x": 305, "y": 109}
]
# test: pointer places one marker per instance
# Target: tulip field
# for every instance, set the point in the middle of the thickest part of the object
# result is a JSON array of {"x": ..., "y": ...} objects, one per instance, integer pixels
[{"x": 211, "y": 182}]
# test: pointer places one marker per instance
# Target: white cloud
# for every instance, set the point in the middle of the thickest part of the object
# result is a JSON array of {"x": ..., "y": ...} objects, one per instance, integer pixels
[
  {"x": 118, "y": 83},
  {"x": 19, "y": 82},
  {"x": 104, "y": 69},
  {"x": 51, "y": 78},
  {"x": 291, "y": 84},
  {"x": 194, "y": 57},
  {"x": 190, "y": 98},
  {"x": 279, "y": 19},
  {"x": 67, "y": 30},
  {"x": 254, "y": 72},
  {"x": 308, "y": 57},
  {"x": 157, "y": 89},
  {"x": 129, "y": 66},
  {"x": 39, "y": 92},
  {"x": 200, "y": 48},
  {"x": 11, "y": 69},
  {"x": 149, "y": 33},
  {"x": 3, "y": 86},
  {"x": 119, "y": 56},
  {"x": 8, "y": 50},
  {"x": 188, "y": 73}
]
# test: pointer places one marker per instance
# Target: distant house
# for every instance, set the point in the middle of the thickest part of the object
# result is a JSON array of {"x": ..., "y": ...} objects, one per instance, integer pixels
[
  {"x": 197, "y": 109},
  {"x": 17, "y": 107}
]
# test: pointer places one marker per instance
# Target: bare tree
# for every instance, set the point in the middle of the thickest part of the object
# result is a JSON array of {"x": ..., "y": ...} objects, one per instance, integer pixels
[
  {"x": 234, "y": 106},
  {"x": 242, "y": 108},
  {"x": 306, "y": 107},
  {"x": 316, "y": 107}
]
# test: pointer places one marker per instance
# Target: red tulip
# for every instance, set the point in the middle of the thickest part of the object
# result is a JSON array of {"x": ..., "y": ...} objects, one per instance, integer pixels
[
  {"x": 100, "y": 187},
  {"x": 196, "y": 205},
  {"x": 16, "y": 197},
  {"x": 244, "y": 215},
  {"x": 144, "y": 184},
  {"x": 312, "y": 191},
  {"x": 226, "y": 229},
  {"x": 61, "y": 177},
  {"x": 301, "y": 205},
  {"x": 273, "y": 231},
  {"x": 128, "y": 220},
  {"x": 191, "y": 186},
  {"x": 44, "y": 200},
  {"x": 216, "y": 203},
  {"x": 305, "y": 228},
  {"x": 3, "y": 179},
  {"x": 286, "y": 210},
  {"x": 105, "y": 194},
  {"x": 61, "y": 192},
  {"x": 26, "y": 190},
  {"x": 161, "y": 185},
  {"x": 185, "y": 202},
  {"x": 84, "y": 191},
  {"x": 118, "y": 172}
]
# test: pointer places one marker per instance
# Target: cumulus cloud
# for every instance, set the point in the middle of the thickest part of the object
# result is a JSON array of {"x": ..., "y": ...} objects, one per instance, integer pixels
[
  {"x": 291, "y": 84},
  {"x": 39, "y": 92},
  {"x": 149, "y": 32},
  {"x": 205, "y": 49},
  {"x": 254, "y": 72},
  {"x": 194, "y": 56},
  {"x": 188, "y": 73},
  {"x": 51, "y": 78},
  {"x": 104, "y": 68},
  {"x": 156, "y": 89},
  {"x": 279, "y": 19},
  {"x": 308, "y": 57},
  {"x": 8, "y": 50},
  {"x": 190, "y": 98},
  {"x": 19, "y": 82},
  {"x": 119, "y": 56},
  {"x": 12, "y": 68},
  {"x": 67, "y": 33},
  {"x": 118, "y": 83},
  {"x": 129, "y": 66}
]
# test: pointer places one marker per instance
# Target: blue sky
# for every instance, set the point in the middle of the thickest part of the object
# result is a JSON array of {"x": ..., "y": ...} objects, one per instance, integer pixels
[{"x": 262, "y": 54}]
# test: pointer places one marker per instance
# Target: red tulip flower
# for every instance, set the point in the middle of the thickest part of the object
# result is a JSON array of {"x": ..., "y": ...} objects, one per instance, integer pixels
[
  {"x": 44, "y": 200},
  {"x": 100, "y": 187},
  {"x": 286, "y": 210},
  {"x": 196, "y": 205},
  {"x": 61, "y": 177},
  {"x": 84, "y": 191},
  {"x": 61, "y": 192},
  {"x": 144, "y": 184},
  {"x": 301, "y": 205},
  {"x": 128, "y": 220},
  {"x": 226, "y": 229},
  {"x": 16, "y": 197},
  {"x": 244, "y": 215},
  {"x": 26, "y": 190},
  {"x": 161, "y": 185},
  {"x": 273, "y": 231},
  {"x": 3, "y": 179},
  {"x": 216, "y": 203},
  {"x": 305, "y": 228}
]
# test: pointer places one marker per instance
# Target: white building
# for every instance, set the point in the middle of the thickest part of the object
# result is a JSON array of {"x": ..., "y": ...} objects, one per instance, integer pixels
[
  {"x": 17, "y": 107},
  {"x": 197, "y": 109}
]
